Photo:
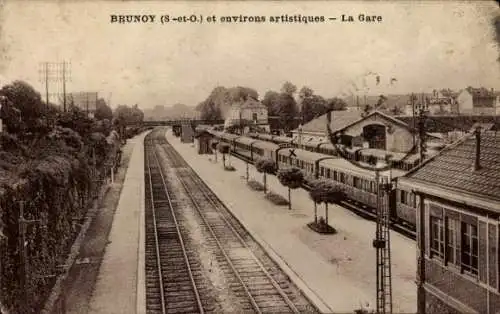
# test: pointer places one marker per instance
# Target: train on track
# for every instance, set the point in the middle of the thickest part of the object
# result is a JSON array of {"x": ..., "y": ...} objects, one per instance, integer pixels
[{"x": 358, "y": 184}]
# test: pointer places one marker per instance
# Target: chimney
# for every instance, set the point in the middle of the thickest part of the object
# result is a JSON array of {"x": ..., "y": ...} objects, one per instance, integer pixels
[{"x": 477, "y": 164}]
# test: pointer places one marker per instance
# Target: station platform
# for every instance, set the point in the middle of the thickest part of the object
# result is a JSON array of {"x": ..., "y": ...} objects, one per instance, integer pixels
[
  {"x": 120, "y": 283},
  {"x": 337, "y": 272}
]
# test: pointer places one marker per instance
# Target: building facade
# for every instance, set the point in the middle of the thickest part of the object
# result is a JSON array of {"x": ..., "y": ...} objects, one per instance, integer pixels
[
  {"x": 456, "y": 196},
  {"x": 248, "y": 112},
  {"x": 480, "y": 101}
]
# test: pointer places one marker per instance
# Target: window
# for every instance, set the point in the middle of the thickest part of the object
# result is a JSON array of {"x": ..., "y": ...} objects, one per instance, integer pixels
[
  {"x": 469, "y": 249},
  {"x": 451, "y": 241},
  {"x": 356, "y": 182},
  {"x": 402, "y": 197},
  {"x": 335, "y": 176},
  {"x": 322, "y": 171},
  {"x": 437, "y": 237},
  {"x": 342, "y": 177},
  {"x": 254, "y": 117}
]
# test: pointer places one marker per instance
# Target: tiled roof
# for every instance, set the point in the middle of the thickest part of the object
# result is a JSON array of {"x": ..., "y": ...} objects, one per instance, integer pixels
[
  {"x": 453, "y": 170},
  {"x": 251, "y": 102},
  {"x": 445, "y": 124},
  {"x": 340, "y": 119}
]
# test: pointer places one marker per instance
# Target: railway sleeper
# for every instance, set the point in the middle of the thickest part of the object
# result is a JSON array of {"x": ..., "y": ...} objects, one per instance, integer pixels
[{"x": 187, "y": 308}]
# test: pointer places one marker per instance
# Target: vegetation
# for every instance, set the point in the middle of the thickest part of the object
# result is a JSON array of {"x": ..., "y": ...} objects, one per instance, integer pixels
[
  {"x": 52, "y": 165},
  {"x": 265, "y": 166},
  {"x": 327, "y": 192},
  {"x": 292, "y": 178}
]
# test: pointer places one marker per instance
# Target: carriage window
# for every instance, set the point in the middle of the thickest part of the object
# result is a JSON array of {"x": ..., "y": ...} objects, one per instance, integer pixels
[
  {"x": 335, "y": 176},
  {"x": 342, "y": 177},
  {"x": 328, "y": 173},
  {"x": 355, "y": 182}
]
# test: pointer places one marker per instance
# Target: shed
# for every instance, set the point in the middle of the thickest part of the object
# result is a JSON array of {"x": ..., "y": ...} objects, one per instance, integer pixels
[{"x": 203, "y": 142}]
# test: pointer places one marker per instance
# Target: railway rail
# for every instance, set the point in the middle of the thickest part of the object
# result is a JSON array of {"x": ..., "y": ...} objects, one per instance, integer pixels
[{"x": 177, "y": 281}]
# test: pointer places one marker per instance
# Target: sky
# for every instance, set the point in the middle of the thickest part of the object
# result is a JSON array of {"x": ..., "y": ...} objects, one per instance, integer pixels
[{"x": 424, "y": 45}]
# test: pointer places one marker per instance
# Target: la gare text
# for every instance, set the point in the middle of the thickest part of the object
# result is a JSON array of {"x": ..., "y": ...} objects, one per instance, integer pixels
[{"x": 297, "y": 18}]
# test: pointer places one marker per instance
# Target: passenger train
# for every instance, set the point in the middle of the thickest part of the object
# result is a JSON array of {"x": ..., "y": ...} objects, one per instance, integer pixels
[{"x": 358, "y": 184}]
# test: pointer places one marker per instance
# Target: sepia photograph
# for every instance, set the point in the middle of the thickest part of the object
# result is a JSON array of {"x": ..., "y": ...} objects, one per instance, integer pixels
[{"x": 249, "y": 156}]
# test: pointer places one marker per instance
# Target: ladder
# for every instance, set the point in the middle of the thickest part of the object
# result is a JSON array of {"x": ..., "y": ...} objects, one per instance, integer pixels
[{"x": 382, "y": 245}]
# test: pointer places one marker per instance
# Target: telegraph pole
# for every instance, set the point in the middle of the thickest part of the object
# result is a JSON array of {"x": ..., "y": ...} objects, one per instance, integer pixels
[{"x": 421, "y": 302}]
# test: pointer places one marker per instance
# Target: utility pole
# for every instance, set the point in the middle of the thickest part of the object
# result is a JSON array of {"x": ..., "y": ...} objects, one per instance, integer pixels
[
  {"x": 54, "y": 72},
  {"x": 421, "y": 132},
  {"x": 64, "y": 85},
  {"x": 382, "y": 244},
  {"x": 382, "y": 241},
  {"x": 421, "y": 302}
]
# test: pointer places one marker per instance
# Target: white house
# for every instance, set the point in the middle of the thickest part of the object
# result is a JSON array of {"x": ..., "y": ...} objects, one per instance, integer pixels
[
  {"x": 478, "y": 101},
  {"x": 247, "y": 111}
]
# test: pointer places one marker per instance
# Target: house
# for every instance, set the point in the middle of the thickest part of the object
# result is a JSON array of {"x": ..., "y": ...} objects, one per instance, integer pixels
[
  {"x": 436, "y": 103},
  {"x": 375, "y": 135},
  {"x": 478, "y": 101},
  {"x": 315, "y": 130},
  {"x": 203, "y": 140},
  {"x": 247, "y": 112},
  {"x": 456, "y": 195}
]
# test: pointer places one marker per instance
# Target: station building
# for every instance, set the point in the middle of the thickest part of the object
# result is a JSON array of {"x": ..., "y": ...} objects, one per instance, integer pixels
[
  {"x": 456, "y": 195},
  {"x": 248, "y": 112}
]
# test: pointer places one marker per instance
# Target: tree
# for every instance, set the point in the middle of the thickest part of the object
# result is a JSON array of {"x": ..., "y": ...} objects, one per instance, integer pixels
[
  {"x": 327, "y": 192},
  {"x": 265, "y": 166},
  {"x": 336, "y": 103},
  {"x": 271, "y": 102},
  {"x": 288, "y": 88},
  {"x": 103, "y": 111},
  {"x": 292, "y": 178},
  {"x": 25, "y": 99},
  {"x": 312, "y": 107},
  {"x": 223, "y": 149},
  {"x": 287, "y": 111},
  {"x": 305, "y": 92}
]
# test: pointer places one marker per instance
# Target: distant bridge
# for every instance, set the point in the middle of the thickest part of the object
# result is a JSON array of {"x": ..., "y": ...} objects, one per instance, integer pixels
[{"x": 193, "y": 122}]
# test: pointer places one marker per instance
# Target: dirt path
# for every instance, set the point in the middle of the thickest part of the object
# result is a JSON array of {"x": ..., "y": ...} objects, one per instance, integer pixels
[{"x": 78, "y": 286}]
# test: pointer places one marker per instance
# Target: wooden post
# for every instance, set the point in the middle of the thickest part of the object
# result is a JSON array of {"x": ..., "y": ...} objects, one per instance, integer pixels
[
  {"x": 112, "y": 174},
  {"x": 247, "y": 171},
  {"x": 421, "y": 257}
]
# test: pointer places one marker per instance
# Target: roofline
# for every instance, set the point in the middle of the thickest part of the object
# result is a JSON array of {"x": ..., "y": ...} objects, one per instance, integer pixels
[
  {"x": 445, "y": 149},
  {"x": 473, "y": 199}
]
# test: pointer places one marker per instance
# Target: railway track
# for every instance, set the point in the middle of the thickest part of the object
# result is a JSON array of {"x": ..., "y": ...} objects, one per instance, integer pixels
[{"x": 176, "y": 280}]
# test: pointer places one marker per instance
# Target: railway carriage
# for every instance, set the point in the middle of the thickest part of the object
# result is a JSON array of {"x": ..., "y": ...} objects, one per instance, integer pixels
[
  {"x": 264, "y": 149},
  {"x": 358, "y": 184}
]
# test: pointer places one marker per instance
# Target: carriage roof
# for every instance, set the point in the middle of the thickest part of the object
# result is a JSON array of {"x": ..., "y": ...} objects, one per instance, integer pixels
[
  {"x": 347, "y": 167},
  {"x": 283, "y": 139},
  {"x": 245, "y": 140},
  {"x": 302, "y": 154},
  {"x": 266, "y": 145},
  {"x": 266, "y": 137},
  {"x": 228, "y": 136}
]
